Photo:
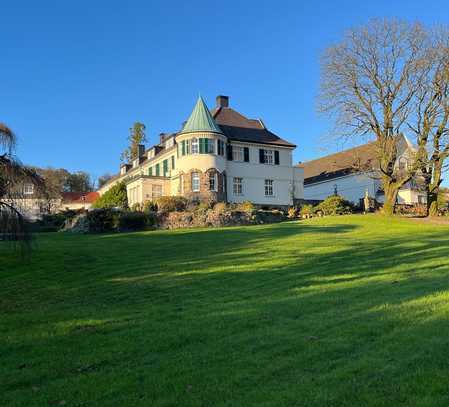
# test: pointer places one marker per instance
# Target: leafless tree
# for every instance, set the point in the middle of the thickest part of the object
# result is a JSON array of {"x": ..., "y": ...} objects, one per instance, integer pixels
[
  {"x": 13, "y": 175},
  {"x": 369, "y": 81},
  {"x": 430, "y": 121}
]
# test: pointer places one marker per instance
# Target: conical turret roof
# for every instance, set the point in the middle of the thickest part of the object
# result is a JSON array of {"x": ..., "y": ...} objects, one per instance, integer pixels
[{"x": 201, "y": 120}]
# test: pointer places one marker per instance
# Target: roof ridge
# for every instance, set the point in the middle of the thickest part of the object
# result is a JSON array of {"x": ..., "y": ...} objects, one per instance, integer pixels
[{"x": 337, "y": 153}]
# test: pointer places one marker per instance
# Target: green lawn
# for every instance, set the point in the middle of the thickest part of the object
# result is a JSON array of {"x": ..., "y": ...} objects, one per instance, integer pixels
[{"x": 342, "y": 311}]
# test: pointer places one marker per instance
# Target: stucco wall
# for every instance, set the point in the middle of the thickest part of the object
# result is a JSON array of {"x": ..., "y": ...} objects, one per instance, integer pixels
[{"x": 351, "y": 187}]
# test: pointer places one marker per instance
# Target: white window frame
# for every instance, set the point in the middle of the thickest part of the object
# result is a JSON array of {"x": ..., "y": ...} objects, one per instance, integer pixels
[
  {"x": 28, "y": 189},
  {"x": 238, "y": 153},
  {"x": 194, "y": 146},
  {"x": 268, "y": 157},
  {"x": 237, "y": 186},
  {"x": 195, "y": 181},
  {"x": 269, "y": 187},
  {"x": 215, "y": 182}
]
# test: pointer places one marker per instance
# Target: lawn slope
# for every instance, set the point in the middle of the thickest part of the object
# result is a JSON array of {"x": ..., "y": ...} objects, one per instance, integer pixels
[{"x": 343, "y": 311}]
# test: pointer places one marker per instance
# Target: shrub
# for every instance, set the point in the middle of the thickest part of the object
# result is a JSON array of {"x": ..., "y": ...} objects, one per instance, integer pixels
[
  {"x": 137, "y": 207},
  {"x": 103, "y": 220},
  {"x": 307, "y": 211},
  {"x": 246, "y": 206},
  {"x": 50, "y": 223},
  {"x": 150, "y": 206},
  {"x": 220, "y": 207},
  {"x": 171, "y": 204},
  {"x": 113, "y": 198},
  {"x": 292, "y": 212},
  {"x": 151, "y": 219},
  {"x": 335, "y": 205},
  {"x": 130, "y": 221}
]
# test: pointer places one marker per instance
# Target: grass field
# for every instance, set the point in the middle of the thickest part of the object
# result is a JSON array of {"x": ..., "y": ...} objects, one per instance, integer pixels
[{"x": 343, "y": 311}]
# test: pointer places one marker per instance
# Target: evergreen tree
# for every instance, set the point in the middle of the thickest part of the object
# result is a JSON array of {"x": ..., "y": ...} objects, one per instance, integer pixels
[{"x": 136, "y": 136}]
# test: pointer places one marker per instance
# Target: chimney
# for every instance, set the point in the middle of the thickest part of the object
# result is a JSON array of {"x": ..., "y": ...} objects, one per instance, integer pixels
[
  {"x": 141, "y": 150},
  {"x": 222, "y": 101}
]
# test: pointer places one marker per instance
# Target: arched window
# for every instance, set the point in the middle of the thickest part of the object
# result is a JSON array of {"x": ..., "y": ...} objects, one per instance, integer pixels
[
  {"x": 194, "y": 146},
  {"x": 403, "y": 163},
  {"x": 213, "y": 182}
]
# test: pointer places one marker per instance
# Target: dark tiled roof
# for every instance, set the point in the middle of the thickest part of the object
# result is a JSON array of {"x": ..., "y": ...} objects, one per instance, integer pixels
[
  {"x": 80, "y": 197},
  {"x": 339, "y": 164},
  {"x": 237, "y": 127}
]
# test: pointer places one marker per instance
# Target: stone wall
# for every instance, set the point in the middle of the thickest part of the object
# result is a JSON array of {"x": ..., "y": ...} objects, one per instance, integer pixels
[{"x": 205, "y": 194}]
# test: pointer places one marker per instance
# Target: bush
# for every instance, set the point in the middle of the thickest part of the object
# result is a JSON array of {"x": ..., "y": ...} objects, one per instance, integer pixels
[
  {"x": 115, "y": 197},
  {"x": 220, "y": 207},
  {"x": 292, "y": 212},
  {"x": 335, "y": 205},
  {"x": 137, "y": 207},
  {"x": 307, "y": 211},
  {"x": 131, "y": 221},
  {"x": 167, "y": 204},
  {"x": 246, "y": 206},
  {"x": 103, "y": 220},
  {"x": 149, "y": 206}
]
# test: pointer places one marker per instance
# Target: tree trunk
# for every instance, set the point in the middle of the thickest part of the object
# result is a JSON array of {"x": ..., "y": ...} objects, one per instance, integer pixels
[
  {"x": 432, "y": 204},
  {"x": 434, "y": 189},
  {"x": 391, "y": 194}
]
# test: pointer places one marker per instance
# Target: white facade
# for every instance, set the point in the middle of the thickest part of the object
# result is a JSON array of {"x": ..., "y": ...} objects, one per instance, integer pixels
[
  {"x": 353, "y": 187},
  {"x": 287, "y": 180}
]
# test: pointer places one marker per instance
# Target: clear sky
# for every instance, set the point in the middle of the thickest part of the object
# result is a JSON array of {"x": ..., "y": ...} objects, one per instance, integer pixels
[{"x": 75, "y": 75}]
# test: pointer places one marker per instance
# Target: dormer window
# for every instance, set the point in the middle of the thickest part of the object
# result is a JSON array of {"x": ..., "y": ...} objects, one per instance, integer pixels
[{"x": 135, "y": 163}]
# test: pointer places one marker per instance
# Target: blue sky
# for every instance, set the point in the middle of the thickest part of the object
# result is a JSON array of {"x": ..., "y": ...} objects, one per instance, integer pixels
[{"x": 75, "y": 75}]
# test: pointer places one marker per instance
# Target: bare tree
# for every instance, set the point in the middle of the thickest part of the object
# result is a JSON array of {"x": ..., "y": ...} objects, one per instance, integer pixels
[
  {"x": 368, "y": 84},
  {"x": 13, "y": 175},
  {"x": 430, "y": 121}
]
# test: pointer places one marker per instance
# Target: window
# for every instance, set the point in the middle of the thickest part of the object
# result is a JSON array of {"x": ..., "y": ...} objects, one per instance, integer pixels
[
  {"x": 156, "y": 191},
  {"x": 268, "y": 187},
  {"x": 268, "y": 156},
  {"x": 402, "y": 164},
  {"x": 158, "y": 170},
  {"x": 237, "y": 153},
  {"x": 195, "y": 182},
  {"x": 209, "y": 146},
  {"x": 150, "y": 171},
  {"x": 220, "y": 147},
  {"x": 165, "y": 167},
  {"x": 194, "y": 146},
  {"x": 237, "y": 186},
  {"x": 421, "y": 199},
  {"x": 213, "y": 182},
  {"x": 28, "y": 189},
  {"x": 172, "y": 162}
]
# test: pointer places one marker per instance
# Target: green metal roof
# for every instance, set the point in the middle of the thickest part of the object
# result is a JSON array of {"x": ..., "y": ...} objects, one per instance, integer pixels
[{"x": 201, "y": 119}]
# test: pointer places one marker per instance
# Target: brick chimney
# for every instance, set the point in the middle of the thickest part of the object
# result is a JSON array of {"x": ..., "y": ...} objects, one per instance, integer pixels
[
  {"x": 222, "y": 101},
  {"x": 141, "y": 150}
]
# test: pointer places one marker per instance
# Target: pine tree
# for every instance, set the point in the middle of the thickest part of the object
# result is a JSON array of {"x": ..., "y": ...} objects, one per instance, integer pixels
[{"x": 136, "y": 136}]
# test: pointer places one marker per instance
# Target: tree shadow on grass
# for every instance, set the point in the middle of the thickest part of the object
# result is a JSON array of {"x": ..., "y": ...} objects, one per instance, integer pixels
[{"x": 321, "y": 320}]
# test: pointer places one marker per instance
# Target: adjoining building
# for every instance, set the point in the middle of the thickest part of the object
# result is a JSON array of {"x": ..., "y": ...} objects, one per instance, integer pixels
[
  {"x": 352, "y": 173},
  {"x": 218, "y": 155}
]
